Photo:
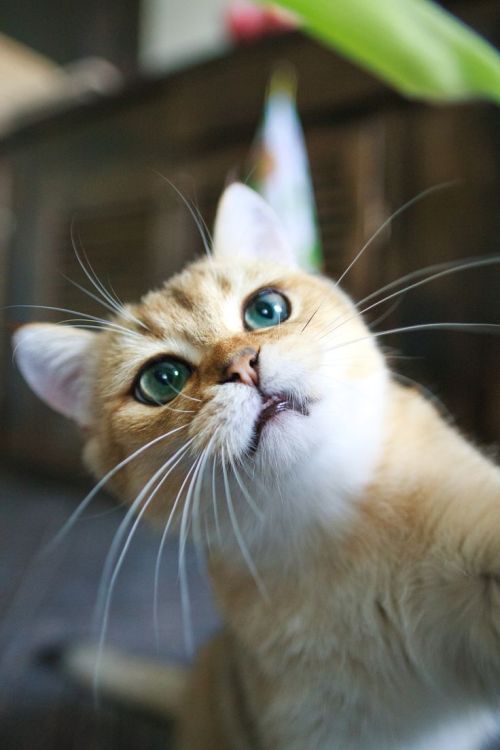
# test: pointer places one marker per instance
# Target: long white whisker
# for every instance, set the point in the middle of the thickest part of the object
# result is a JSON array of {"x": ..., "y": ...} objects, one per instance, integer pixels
[
  {"x": 106, "y": 299},
  {"x": 251, "y": 502},
  {"x": 100, "y": 484},
  {"x": 214, "y": 503},
  {"x": 90, "y": 273},
  {"x": 83, "y": 316},
  {"x": 112, "y": 308},
  {"x": 108, "y": 578},
  {"x": 237, "y": 531},
  {"x": 423, "y": 194},
  {"x": 437, "y": 269},
  {"x": 115, "y": 307},
  {"x": 180, "y": 393},
  {"x": 94, "y": 327},
  {"x": 160, "y": 554},
  {"x": 196, "y": 218},
  {"x": 385, "y": 314},
  {"x": 442, "y": 269},
  {"x": 491, "y": 328},
  {"x": 65, "y": 310},
  {"x": 196, "y": 506},
  {"x": 112, "y": 293},
  {"x": 183, "y": 580}
]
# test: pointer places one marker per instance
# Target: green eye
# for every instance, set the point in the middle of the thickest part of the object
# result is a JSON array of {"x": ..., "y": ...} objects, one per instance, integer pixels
[
  {"x": 266, "y": 309},
  {"x": 161, "y": 381}
]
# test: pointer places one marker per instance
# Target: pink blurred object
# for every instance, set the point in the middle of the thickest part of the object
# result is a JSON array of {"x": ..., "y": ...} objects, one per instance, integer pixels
[{"x": 248, "y": 21}]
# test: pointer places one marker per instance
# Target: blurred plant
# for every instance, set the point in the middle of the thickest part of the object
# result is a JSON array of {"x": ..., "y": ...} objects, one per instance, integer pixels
[
  {"x": 416, "y": 46},
  {"x": 280, "y": 170}
]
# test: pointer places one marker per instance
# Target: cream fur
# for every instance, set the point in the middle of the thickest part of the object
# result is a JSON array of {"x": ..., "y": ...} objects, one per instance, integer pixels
[{"x": 362, "y": 609}]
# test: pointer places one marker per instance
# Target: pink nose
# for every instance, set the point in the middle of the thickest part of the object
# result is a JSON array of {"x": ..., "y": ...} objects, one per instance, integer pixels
[{"x": 243, "y": 368}]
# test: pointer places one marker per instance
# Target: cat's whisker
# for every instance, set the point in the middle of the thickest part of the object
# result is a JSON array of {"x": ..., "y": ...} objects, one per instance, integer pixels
[
  {"x": 184, "y": 395},
  {"x": 442, "y": 269},
  {"x": 246, "y": 494},
  {"x": 122, "y": 305},
  {"x": 166, "y": 529},
  {"x": 105, "y": 297},
  {"x": 160, "y": 477},
  {"x": 207, "y": 232},
  {"x": 386, "y": 314},
  {"x": 68, "y": 525},
  {"x": 438, "y": 269},
  {"x": 84, "y": 316},
  {"x": 310, "y": 319},
  {"x": 416, "y": 199},
  {"x": 237, "y": 531},
  {"x": 195, "y": 214},
  {"x": 114, "y": 563},
  {"x": 112, "y": 309},
  {"x": 171, "y": 408},
  {"x": 52, "y": 308},
  {"x": 214, "y": 502},
  {"x": 120, "y": 310},
  {"x": 197, "y": 537},
  {"x": 183, "y": 536},
  {"x": 489, "y": 328},
  {"x": 94, "y": 327}
]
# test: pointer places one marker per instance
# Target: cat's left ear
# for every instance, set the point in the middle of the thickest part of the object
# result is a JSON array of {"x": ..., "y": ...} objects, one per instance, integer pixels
[
  {"x": 56, "y": 362},
  {"x": 246, "y": 228}
]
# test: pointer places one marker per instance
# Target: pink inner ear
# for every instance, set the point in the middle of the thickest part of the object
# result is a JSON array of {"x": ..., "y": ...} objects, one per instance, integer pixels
[
  {"x": 55, "y": 363},
  {"x": 63, "y": 393},
  {"x": 246, "y": 228}
]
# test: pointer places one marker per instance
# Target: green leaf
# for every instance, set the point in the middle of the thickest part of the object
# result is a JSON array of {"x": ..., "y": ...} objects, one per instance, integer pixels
[{"x": 414, "y": 45}]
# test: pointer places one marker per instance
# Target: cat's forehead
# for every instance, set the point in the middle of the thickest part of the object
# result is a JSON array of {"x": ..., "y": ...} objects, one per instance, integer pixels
[{"x": 206, "y": 298}]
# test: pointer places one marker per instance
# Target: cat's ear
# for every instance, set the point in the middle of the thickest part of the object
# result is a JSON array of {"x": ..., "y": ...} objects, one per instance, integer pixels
[
  {"x": 246, "y": 228},
  {"x": 56, "y": 363}
]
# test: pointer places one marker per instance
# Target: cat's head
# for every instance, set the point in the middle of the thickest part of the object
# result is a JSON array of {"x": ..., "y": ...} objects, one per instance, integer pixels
[{"x": 241, "y": 358}]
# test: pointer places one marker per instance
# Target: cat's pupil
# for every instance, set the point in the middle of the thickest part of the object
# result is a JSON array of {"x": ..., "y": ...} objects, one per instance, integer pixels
[
  {"x": 267, "y": 310},
  {"x": 165, "y": 377}
]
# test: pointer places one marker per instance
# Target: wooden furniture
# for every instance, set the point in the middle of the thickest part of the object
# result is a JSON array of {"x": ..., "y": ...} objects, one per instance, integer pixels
[{"x": 98, "y": 168}]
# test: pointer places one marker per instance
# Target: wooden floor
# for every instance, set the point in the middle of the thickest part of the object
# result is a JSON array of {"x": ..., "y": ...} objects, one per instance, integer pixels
[{"x": 49, "y": 602}]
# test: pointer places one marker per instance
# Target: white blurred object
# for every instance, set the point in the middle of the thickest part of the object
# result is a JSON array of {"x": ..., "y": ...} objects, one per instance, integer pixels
[
  {"x": 177, "y": 32},
  {"x": 31, "y": 84}
]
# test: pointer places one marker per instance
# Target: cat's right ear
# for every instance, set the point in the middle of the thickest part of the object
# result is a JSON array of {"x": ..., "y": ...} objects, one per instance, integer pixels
[
  {"x": 55, "y": 361},
  {"x": 246, "y": 228}
]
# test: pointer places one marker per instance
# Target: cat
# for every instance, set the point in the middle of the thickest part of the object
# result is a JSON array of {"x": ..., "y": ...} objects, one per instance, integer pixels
[{"x": 352, "y": 534}]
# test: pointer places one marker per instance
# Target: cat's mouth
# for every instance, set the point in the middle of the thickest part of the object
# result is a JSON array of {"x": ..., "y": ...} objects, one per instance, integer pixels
[{"x": 271, "y": 407}]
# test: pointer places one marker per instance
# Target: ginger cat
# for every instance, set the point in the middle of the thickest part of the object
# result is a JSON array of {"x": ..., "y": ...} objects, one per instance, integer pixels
[{"x": 352, "y": 535}]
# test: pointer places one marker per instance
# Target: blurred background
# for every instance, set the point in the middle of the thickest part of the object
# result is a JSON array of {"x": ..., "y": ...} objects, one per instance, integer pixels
[{"x": 96, "y": 99}]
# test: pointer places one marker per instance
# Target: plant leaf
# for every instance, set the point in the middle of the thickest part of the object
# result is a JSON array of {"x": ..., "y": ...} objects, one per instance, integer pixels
[{"x": 416, "y": 46}]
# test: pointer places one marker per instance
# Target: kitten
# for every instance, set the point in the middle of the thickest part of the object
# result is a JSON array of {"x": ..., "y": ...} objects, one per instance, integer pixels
[{"x": 352, "y": 535}]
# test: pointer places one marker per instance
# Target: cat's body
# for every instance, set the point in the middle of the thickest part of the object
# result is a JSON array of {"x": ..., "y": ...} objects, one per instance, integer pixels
[
  {"x": 380, "y": 638},
  {"x": 352, "y": 535}
]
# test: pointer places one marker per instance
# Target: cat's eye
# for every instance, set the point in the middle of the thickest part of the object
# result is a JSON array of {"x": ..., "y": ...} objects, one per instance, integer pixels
[
  {"x": 161, "y": 381},
  {"x": 267, "y": 308}
]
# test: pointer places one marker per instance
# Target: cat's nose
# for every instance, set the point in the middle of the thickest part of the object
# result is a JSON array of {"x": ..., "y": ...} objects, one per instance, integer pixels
[{"x": 243, "y": 368}]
